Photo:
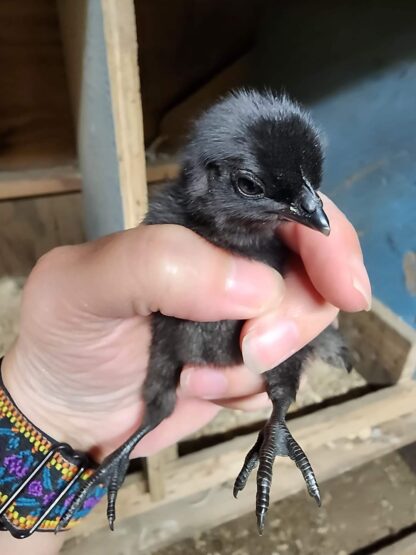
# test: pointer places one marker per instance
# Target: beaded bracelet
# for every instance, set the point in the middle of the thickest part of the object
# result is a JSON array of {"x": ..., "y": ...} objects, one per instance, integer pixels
[{"x": 39, "y": 477}]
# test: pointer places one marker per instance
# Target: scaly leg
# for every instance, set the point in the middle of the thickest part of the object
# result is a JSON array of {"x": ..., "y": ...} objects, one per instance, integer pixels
[
  {"x": 159, "y": 396},
  {"x": 276, "y": 440},
  {"x": 110, "y": 473}
]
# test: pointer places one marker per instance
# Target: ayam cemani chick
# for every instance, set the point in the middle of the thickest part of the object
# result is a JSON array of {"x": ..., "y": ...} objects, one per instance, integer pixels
[{"x": 253, "y": 161}]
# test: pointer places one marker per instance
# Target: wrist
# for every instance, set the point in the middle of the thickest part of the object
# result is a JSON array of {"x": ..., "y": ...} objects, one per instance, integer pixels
[
  {"x": 23, "y": 382},
  {"x": 40, "y": 475},
  {"x": 38, "y": 544}
]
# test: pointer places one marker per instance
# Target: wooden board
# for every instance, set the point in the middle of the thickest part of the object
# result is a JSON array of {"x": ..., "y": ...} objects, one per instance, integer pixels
[
  {"x": 35, "y": 119},
  {"x": 31, "y": 227},
  {"x": 101, "y": 51},
  {"x": 191, "y": 515},
  {"x": 356, "y": 421},
  {"x": 161, "y": 154},
  {"x": 385, "y": 344},
  {"x": 406, "y": 546},
  {"x": 121, "y": 47},
  {"x": 183, "y": 44},
  {"x": 34, "y": 183}
]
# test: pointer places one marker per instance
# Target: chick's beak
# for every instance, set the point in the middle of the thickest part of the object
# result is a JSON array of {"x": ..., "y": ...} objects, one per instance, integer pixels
[{"x": 307, "y": 210}]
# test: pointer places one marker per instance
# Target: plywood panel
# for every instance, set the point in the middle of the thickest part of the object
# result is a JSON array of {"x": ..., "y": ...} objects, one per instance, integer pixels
[
  {"x": 182, "y": 44},
  {"x": 31, "y": 227},
  {"x": 35, "y": 119}
]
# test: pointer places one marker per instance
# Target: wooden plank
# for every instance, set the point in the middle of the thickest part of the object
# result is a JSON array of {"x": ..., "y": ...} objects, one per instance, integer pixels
[
  {"x": 191, "y": 515},
  {"x": 101, "y": 51},
  {"x": 210, "y": 468},
  {"x": 156, "y": 471},
  {"x": 162, "y": 171},
  {"x": 121, "y": 45},
  {"x": 385, "y": 344},
  {"x": 176, "y": 122},
  {"x": 67, "y": 179},
  {"x": 31, "y": 227},
  {"x": 36, "y": 128},
  {"x": 173, "y": 55},
  {"x": 406, "y": 546},
  {"x": 35, "y": 183}
]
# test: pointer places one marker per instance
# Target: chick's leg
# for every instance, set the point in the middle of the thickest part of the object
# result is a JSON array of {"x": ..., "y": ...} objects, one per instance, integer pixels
[
  {"x": 159, "y": 396},
  {"x": 275, "y": 439}
]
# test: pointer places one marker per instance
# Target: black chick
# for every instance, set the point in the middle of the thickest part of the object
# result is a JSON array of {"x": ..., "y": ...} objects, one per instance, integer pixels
[{"x": 253, "y": 161}]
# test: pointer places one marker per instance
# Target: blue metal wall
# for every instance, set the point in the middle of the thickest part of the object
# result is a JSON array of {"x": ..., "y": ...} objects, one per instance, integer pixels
[
  {"x": 371, "y": 174},
  {"x": 354, "y": 64}
]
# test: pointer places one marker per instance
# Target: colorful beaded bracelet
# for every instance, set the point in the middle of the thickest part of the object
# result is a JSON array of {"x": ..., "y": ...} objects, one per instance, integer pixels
[{"x": 39, "y": 477}]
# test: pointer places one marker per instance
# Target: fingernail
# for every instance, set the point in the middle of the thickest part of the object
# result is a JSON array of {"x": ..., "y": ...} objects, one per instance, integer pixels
[
  {"x": 361, "y": 283},
  {"x": 269, "y": 343},
  {"x": 252, "y": 287},
  {"x": 204, "y": 383}
]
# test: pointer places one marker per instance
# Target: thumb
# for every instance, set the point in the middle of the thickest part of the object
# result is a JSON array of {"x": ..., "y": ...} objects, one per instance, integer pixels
[{"x": 164, "y": 268}]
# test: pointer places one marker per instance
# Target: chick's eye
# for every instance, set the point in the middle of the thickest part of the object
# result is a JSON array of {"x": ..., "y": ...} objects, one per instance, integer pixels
[{"x": 247, "y": 187}]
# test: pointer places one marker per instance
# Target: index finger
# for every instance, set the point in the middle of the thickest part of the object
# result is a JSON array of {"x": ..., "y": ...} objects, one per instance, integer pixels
[{"x": 335, "y": 263}]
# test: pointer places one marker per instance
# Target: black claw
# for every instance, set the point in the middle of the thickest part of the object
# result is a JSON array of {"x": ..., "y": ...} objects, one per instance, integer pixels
[
  {"x": 260, "y": 523},
  {"x": 274, "y": 440},
  {"x": 250, "y": 462},
  {"x": 317, "y": 498}
]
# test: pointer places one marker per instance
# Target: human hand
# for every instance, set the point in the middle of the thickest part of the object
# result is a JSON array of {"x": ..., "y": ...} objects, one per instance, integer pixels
[{"x": 77, "y": 367}]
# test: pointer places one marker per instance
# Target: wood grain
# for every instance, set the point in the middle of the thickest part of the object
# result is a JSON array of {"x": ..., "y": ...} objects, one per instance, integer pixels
[
  {"x": 35, "y": 119},
  {"x": 385, "y": 344},
  {"x": 191, "y": 515},
  {"x": 405, "y": 546},
  {"x": 183, "y": 44},
  {"x": 210, "y": 468},
  {"x": 31, "y": 227},
  {"x": 121, "y": 45},
  {"x": 34, "y": 183}
]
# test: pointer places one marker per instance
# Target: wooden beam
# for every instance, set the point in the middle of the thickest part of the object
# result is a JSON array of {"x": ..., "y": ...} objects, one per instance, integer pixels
[
  {"x": 162, "y": 171},
  {"x": 405, "y": 546},
  {"x": 65, "y": 179},
  {"x": 352, "y": 423},
  {"x": 121, "y": 45},
  {"x": 189, "y": 516},
  {"x": 386, "y": 345},
  {"x": 32, "y": 226},
  {"x": 100, "y": 45},
  {"x": 35, "y": 183},
  {"x": 156, "y": 466},
  {"x": 35, "y": 125},
  {"x": 176, "y": 123}
]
